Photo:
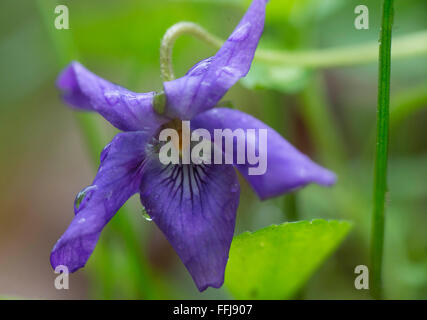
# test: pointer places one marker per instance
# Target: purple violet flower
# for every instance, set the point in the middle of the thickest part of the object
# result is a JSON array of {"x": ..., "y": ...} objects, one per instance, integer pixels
[{"x": 194, "y": 205}]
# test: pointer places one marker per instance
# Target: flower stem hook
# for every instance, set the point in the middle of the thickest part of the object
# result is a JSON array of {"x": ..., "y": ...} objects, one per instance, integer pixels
[
  {"x": 410, "y": 45},
  {"x": 168, "y": 41}
]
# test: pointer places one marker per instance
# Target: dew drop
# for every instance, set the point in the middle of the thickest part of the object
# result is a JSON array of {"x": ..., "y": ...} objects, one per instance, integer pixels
[
  {"x": 83, "y": 195},
  {"x": 200, "y": 67},
  {"x": 112, "y": 97},
  {"x": 145, "y": 215},
  {"x": 241, "y": 33},
  {"x": 227, "y": 76},
  {"x": 132, "y": 101}
]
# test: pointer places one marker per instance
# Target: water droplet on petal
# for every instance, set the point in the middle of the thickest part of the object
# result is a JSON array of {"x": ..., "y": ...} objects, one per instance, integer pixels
[
  {"x": 200, "y": 67},
  {"x": 132, "y": 100},
  {"x": 226, "y": 71},
  {"x": 241, "y": 33},
  {"x": 112, "y": 97},
  {"x": 83, "y": 195},
  {"x": 227, "y": 76},
  {"x": 145, "y": 215}
]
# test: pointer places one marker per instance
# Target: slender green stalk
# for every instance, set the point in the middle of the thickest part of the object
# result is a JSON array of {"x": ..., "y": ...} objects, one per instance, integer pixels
[
  {"x": 406, "y": 46},
  {"x": 381, "y": 158}
]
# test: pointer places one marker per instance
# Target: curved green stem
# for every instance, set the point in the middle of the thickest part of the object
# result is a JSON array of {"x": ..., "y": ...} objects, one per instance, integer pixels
[
  {"x": 169, "y": 39},
  {"x": 405, "y": 46},
  {"x": 381, "y": 158}
]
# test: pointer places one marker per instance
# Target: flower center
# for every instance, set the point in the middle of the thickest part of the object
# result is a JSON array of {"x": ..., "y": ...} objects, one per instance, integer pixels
[{"x": 184, "y": 134}]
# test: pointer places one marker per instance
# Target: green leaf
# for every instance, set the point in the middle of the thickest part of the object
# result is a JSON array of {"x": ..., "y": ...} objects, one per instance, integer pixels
[
  {"x": 281, "y": 78},
  {"x": 274, "y": 262}
]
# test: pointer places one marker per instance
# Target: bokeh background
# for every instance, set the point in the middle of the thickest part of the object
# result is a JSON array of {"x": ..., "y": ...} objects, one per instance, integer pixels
[{"x": 328, "y": 113}]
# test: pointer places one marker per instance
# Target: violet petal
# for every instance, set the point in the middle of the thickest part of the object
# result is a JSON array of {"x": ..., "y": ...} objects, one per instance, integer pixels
[
  {"x": 117, "y": 179},
  {"x": 207, "y": 82},
  {"x": 195, "y": 207},
  {"x": 126, "y": 110},
  {"x": 287, "y": 168}
]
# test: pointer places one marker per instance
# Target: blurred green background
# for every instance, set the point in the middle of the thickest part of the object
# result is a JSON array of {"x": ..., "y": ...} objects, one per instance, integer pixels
[{"x": 327, "y": 113}]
